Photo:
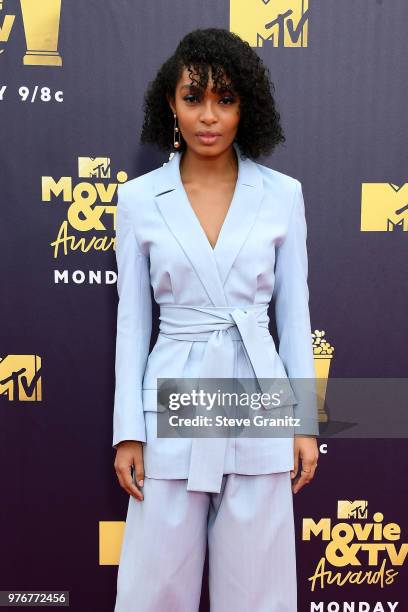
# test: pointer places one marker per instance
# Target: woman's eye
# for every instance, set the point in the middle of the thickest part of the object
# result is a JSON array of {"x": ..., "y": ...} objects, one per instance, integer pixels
[
  {"x": 192, "y": 97},
  {"x": 188, "y": 98},
  {"x": 228, "y": 99}
]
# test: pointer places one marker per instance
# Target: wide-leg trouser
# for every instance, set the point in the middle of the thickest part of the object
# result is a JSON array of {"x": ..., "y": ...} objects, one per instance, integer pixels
[{"x": 250, "y": 529}]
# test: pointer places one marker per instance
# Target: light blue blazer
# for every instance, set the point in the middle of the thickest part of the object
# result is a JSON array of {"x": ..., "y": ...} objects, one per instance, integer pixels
[{"x": 213, "y": 313}]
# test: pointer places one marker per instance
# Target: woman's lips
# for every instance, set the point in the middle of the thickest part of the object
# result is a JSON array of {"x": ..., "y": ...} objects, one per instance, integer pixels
[{"x": 208, "y": 139}]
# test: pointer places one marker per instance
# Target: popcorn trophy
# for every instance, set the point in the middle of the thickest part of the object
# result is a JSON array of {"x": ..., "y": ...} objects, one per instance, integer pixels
[{"x": 322, "y": 354}]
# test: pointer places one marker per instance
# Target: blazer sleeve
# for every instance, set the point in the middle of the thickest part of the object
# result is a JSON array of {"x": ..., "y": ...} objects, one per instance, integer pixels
[
  {"x": 133, "y": 330},
  {"x": 291, "y": 298}
]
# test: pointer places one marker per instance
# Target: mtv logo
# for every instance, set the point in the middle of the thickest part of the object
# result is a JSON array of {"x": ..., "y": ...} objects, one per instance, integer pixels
[
  {"x": 275, "y": 23},
  {"x": 94, "y": 167},
  {"x": 356, "y": 509},
  {"x": 20, "y": 378},
  {"x": 384, "y": 207}
]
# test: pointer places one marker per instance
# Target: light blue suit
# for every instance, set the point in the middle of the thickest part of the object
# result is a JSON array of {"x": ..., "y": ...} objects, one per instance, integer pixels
[
  {"x": 260, "y": 253},
  {"x": 213, "y": 323}
]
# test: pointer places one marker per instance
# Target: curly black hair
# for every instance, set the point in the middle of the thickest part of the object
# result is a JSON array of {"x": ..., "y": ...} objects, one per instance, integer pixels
[{"x": 259, "y": 129}]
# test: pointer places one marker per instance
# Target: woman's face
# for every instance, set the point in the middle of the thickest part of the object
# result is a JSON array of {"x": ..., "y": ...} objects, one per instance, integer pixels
[{"x": 200, "y": 112}]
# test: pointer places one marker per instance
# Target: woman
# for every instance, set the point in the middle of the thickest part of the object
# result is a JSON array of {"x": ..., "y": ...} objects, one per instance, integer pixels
[{"x": 217, "y": 236}]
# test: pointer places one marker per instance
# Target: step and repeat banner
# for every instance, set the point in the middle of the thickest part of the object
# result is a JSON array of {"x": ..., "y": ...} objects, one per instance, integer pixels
[{"x": 72, "y": 80}]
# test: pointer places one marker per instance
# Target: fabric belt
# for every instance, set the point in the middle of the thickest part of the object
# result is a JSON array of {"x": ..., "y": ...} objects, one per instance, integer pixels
[{"x": 219, "y": 326}]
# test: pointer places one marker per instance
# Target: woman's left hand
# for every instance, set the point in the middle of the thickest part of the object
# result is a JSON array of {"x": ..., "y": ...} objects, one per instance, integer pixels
[{"x": 305, "y": 449}]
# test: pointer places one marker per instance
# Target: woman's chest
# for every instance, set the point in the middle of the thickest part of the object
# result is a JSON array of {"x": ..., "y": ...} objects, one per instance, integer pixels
[
  {"x": 184, "y": 266},
  {"x": 211, "y": 207}
]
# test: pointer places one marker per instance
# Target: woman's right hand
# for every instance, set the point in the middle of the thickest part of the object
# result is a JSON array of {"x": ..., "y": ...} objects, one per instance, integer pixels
[{"x": 130, "y": 453}]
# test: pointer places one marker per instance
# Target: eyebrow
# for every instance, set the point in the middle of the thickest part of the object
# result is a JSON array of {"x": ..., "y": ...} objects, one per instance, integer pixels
[{"x": 191, "y": 86}]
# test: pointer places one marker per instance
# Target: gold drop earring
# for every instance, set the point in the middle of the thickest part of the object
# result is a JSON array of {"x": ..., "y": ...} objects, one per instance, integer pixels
[{"x": 176, "y": 141}]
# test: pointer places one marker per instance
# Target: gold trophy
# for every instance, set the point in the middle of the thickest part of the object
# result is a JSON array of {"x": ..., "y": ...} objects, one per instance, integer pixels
[
  {"x": 41, "y": 27},
  {"x": 322, "y": 354}
]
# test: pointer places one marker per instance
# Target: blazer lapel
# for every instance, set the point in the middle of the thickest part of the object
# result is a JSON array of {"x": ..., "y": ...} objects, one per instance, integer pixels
[
  {"x": 211, "y": 265},
  {"x": 241, "y": 215}
]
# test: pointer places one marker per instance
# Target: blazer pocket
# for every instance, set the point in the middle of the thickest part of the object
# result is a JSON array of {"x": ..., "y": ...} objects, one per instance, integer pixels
[{"x": 150, "y": 402}]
